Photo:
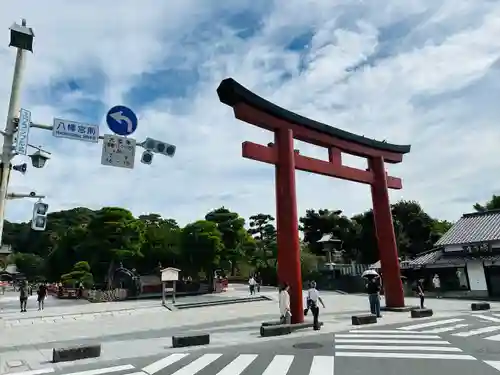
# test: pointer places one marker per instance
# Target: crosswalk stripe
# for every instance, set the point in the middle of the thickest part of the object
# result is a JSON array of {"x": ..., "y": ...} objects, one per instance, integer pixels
[
  {"x": 400, "y": 348},
  {"x": 104, "y": 370},
  {"x": 405, "y": 355},
  {"x": 445, "y": 329},
  {"x": 279, "y": 365},
  {"x": 487, "y": 317},
  {"x": 322, "y": 365},
  {"x": 238, "y": 365},
  {"x": 494, "y": 364},
  {"x": 162, "y": 363},
  {"x": 477, "y": 331},
  {"x": 380, "y": 331},
  {"x": 390, "y": 341},
  {"x": 198, "y": 364},
  {"x": 430, "y": 324},
  {"x": 39, "y": 371},
  {"x": 493, "y": 338},
  {"x": 402, "y": 335}
]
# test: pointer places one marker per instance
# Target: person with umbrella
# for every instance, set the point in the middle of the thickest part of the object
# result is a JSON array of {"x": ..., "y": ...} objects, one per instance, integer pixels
[{"x": 373, "y": 290}]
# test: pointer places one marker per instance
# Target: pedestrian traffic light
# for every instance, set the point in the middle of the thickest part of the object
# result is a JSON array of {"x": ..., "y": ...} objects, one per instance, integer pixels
[{"x": 39, "y": 220}]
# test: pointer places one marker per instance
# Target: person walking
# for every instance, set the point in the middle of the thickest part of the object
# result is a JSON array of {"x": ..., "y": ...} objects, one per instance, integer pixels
[
  {"x": 313, "y": 298},
  {"x": 284, "y": 305},
  {"x": 436, "y": 283},
  {"x": 251, "y": 285},
  {"x": 23, "y": 296},
  {"x": 373, "y": 290},
  {"x": 420, "y": 292},
  {"x": 42, "y": 293}
]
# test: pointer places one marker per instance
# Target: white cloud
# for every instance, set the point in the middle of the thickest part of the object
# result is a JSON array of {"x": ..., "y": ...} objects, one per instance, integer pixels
[{"x": 432, "y": 71}]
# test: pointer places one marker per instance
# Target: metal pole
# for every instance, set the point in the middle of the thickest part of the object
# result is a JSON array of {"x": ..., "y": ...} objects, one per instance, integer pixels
[{"x": 8, "y": 138}]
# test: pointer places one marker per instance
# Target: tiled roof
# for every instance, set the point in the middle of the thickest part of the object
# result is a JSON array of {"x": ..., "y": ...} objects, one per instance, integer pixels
[
  {"x": 472, "y": 228},
  {"x": 428, "y": 257}
]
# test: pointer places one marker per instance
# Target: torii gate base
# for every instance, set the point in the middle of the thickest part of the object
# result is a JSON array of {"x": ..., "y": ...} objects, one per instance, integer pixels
[{"x": 286, "y": 126}]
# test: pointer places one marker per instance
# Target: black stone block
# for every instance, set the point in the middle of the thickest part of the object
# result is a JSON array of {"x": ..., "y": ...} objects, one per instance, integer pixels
[
  {"x": 480, "y": 306},
  {"x": 421, "y": 313},
  {"x": 267, "y": 324},
  {"x": 195, "y": 340},
  {"x": 358, "y": 320},
  {"x": 276, "y": 330},
  {"x": 75, "y": 353}
]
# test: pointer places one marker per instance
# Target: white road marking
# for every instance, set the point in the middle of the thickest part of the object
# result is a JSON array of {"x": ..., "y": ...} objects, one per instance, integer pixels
[
  {"x": 105, "y": 370},
  {"x": 39, "y": 371},
  {"x": 487, "y": 317},
  {"x": 445, "y": 329},
  {"x": 477, "y": 331},
  {"x": 405, "y": 355},
  {"x": 430, "y": 324},
  {"x": 493, "y": 338},
  {"x": 494, "y": 364},
  {"x": 322, "y": 365},
  {"x": 279, "y": 365},
  {"x": 388, "y": 341},
  {"x": 238, "y": 365},
  {"x": 380, "y": 331},
  {"x": 401, "y": 348},
  {"x": 198, "y": 365},
  {"x": 382, "y": 336},
  {"x": 162, "y": 363}
]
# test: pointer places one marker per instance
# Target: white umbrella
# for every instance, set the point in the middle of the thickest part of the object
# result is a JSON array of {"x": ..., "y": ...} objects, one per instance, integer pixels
[{"x": 369, "y": 273}]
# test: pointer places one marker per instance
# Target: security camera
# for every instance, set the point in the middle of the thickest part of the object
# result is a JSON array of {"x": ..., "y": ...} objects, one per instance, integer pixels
[
  {"x": 38, "y": 159},
  {"x": 32, "y": 194},
  {"x": 147, "y": 157}
]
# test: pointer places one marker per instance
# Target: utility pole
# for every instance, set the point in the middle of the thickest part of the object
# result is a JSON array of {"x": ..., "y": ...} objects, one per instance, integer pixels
[{"x": 21, "y": 37}]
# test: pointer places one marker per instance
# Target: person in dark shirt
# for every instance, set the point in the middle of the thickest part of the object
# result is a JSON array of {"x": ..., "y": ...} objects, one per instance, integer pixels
[
  {"x": 42, "y": 293},
  {"x": 23, "y": 296},
  {"x": 420, "y": 292},
  {"x": 373, "y": 290}
]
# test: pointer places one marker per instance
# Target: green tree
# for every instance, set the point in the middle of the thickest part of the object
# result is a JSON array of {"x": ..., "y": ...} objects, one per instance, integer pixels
[
  {"x": 492, "y": 204},
  {"x": 162, "y": 243},
  {"x": 201, "y": 247},
  {"x": 80, "y": 274},
  {"x": 234, "y": 236},
  {"x": 31, "y": 265},
  {"x": 266, "y": 249},
  {"x": 115, "y": 236}
]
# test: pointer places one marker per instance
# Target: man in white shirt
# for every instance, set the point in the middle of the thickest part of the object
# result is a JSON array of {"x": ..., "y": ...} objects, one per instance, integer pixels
[
  {"x": 313, "y": 298},
  {"x": 436, "y": 282},
  {"x": 251, "y": 284}
]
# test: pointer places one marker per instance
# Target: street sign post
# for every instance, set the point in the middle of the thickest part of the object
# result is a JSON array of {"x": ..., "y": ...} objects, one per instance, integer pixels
[
  {"x": 118, "y": 151},
  {"x": 75, "y": 130},
  {"x": 23, "y": 129},
  {"x": 121, "y": 120}
]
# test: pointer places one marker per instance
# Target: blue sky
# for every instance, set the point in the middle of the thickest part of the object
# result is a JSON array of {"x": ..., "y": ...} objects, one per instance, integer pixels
[{"x": 422, "y": 72}]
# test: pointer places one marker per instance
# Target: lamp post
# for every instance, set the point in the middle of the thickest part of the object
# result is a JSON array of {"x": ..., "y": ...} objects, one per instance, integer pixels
[
  {"x": 329, "y": 244},
  {"x": 21, "y": 37}
]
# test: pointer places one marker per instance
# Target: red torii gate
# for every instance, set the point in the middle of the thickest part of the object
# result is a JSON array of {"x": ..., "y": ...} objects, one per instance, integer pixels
[{"x": 286, "y": 126}]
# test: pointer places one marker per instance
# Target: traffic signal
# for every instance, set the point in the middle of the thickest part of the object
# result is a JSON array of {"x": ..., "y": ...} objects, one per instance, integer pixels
[
  {"x": 39, "y": 220},
  {"x": 21, "y": 168},
  {"x": 159, "y": 147}
]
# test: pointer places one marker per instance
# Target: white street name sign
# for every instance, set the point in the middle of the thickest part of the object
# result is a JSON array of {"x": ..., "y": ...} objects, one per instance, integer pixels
[
  {"x": 23, "y": 130},
  {"x": 75, "y": 130}
]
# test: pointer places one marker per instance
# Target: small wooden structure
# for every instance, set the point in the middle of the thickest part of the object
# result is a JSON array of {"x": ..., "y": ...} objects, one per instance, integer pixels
[{"x": 168, "y": 274}]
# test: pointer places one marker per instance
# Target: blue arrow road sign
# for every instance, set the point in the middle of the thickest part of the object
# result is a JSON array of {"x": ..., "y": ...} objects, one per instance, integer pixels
[{"x": 121, "y": 120}]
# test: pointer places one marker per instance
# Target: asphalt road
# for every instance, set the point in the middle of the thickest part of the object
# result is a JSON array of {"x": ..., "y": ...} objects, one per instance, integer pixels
[{"x": 461, "y": 345}]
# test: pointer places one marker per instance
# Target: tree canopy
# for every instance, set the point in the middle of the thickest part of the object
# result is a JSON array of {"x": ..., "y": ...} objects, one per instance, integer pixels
[{"x": 83, "y": 245}]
